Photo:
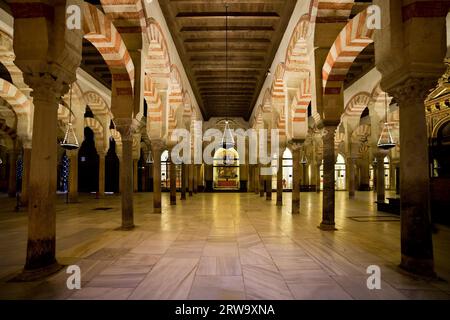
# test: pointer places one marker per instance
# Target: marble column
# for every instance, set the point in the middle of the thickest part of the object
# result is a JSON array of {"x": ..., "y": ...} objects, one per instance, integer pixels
[
  {"x": 318, "y": 177},
  {"x": 364, "y": 184},
  {"x": 195, "y": 177},
  {"x": 183, "y": 181},
  {"x": 380, "y": 176},
  {"x": 135, "y": 175},
  {"x": 268, "y": 181},
  {"x": 251, "y": 179},
  {"x": 12, "y": 181},
  {"x": 280, "y": 181},
  {"x": 262, "y": 183},
  {"x": 157, "y": 147},
  {"x": 329, "y": 161},
  {"x": 256, "y": 178},
  {"x": 173, "y": 182},
  {"x": 191, "y": 179},
  {"x": 41, "y": 244},
  {"x": 416, "y": 238},
  {"x": 73, "y": 176},
  {"x": 101, "y": 174},
  {"x": 296, "y": 176},
  {"x": 351, "y": 177},
  {"x": 126, "y": 129},
  {"x": 26, "y": 160},
  {"x": 119, "y": 157}
]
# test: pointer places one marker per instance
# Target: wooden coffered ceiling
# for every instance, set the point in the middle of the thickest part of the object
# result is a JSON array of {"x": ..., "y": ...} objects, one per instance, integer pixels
[{"x": 255, "y": 29}]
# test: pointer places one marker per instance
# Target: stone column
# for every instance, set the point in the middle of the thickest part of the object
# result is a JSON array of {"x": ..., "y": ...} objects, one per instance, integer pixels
[
  {"x": 119, "y": 157},
  {"x": 157, "y": 147},
  {"x": 416, "y": 240},
  {"x": 318, "y": 177},
  {"x": 250, "y": 178},
  {"x": 280, "y": 181},
  {"x": 25, "y": 173},
  {"x": 101, "y": 174},
  {"x": 296, "y": 147},
  {"x": 268, "y": 181},
  {"x": 313, "y": 176},
  {"x": 195, "y": 177},
  {"x": 262, "y": 183},
  {"x": 40, "y": 259},
  {"x": 183, "y": 181},
  {"x": 364, "y": 175},
  {"x": 12, "y": 181},
  {"x": 380, "y": 176},
  {"x": 351, "y": 177},
  {"x": 135, "y": 175},
  {"x": 73, "y": 176},
  {"x": 47, "y": 68},
  {"x": 256, "y": 178},
  {"x": 173, "y": 181},
  {"x": 191, "y": 179},
  {"x": 329, "y": 161},
  {"x": 126, "y": 129}
]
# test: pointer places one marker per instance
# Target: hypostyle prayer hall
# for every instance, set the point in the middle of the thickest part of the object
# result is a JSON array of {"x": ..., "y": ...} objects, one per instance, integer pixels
[{"x": 224, "y": 149}]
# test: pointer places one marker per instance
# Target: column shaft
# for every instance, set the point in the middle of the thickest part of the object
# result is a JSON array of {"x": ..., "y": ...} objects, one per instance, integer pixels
[
  {"x": 156, "y": 179},
  {"x": 380, "y": 178},
  {"x": 126, "y": 176},
  {"x": 329, "y": 161},
  {"x": 25, "y": 176},
  {"x": 73, "y": 176},
  {"x": 280, "y": 181},
  {"x": 296, "y": 180},
  {"x": 101, "y": 174},
  {"x": 183, "y": 181},
  {"x": 173, "y": 183}
]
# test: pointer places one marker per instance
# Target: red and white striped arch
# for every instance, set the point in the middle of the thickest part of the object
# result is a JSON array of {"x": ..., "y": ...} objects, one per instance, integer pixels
[
  {"x": 297, "y": 58},
  {"x": 357, "y": 104},
  {"x": 128, "y": 15},
  {"x": 158, "y": 60},
  {"x": 100, "y": 31},
  {"x": 330, "y": 11},
  {"x": 350, "y": 42},
  {"x": 11, "y": 94},
  {"x": 96, "y": 127},
  {"x": 154, "y": 108},
  {"x": 97, "y": 104}
]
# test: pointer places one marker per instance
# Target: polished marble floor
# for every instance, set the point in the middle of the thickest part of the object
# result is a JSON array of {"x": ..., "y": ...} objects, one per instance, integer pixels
[{"x": 221, "y": 246}]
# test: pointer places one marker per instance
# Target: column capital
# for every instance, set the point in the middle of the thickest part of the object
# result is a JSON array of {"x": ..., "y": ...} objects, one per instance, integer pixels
[
  {"x": 157, "y": 144},
  {"x": 126, "y": 128},
  {"x": 26, "y": 142},
  {"x": 46, "y": 87},
  {"x": 414, "y": 89},
  {"x": 296, "y": 144}
]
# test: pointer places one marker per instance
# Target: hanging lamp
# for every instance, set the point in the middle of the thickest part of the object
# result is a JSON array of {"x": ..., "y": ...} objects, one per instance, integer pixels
[
  {"x": 227, "y": 138},
  {"x": 70, "y": 141},
  {"x": 386, "y": 142},
  {"x": 303, "y": 160},
  {"x": 1, "y": 161},
  {"x": 149, "y": 159}
]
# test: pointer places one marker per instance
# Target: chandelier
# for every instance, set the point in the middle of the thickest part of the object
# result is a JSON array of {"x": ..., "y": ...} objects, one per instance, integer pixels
[
  {"x": 227, "y": 138},
  {"x": 386, "y": 142},
  {"x": 70, "y": 141},
  {"x": 149, "y": 159}
]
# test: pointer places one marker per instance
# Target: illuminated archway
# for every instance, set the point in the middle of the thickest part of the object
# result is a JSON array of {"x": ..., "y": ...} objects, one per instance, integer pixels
[{"x": 226, "y": 169}]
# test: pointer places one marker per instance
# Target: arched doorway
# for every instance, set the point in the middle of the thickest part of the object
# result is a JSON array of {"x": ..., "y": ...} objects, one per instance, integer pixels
[
  {"x": 226, "y": 169},
  {"x": 287, "y": 170},
  {"x": 339, "y": 174},
  {"x": 88, "y": 163}
]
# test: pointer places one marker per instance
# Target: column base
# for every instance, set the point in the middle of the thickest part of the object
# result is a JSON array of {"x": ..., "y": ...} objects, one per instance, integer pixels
[
  {"x": 173, "y": 202},
  {"x": 37, "y": 274},
  {"x": 183, "y": 197},
  {"x": 420, "y": 267},
  {"x": 156, "y": 210},
  {"x": 327, "y": 227},
  {"x": 279, "y": 203},
  {"x": 126, "y": 228},
  {"x": 268, "y": 198}
]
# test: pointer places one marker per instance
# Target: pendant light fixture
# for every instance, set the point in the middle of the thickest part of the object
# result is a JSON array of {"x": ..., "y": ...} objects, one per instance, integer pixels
[
  {"x": 70, "y": 141},
  {"x": 386, "y": 142},
  {"x": 227, "y": 138},
  {"x": 149, "y": 159},
  {"x": 303, "y": 160},
  {"x": 1, "y": 161}
]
